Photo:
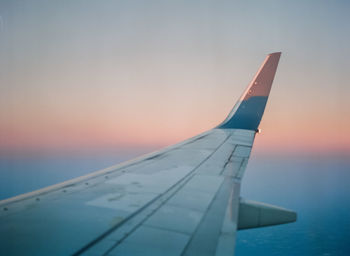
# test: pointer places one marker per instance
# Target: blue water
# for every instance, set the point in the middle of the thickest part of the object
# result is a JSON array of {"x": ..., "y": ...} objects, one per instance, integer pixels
[{"x": 317, "y": 188}]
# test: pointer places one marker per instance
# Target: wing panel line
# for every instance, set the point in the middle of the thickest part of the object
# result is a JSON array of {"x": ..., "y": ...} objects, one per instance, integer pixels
[{"x": 109, "y": 231}]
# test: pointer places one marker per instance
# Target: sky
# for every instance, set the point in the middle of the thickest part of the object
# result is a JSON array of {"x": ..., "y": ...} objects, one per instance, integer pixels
[
  {"x": 87, "y": 84},
  {"x": 76, "y": 75}
]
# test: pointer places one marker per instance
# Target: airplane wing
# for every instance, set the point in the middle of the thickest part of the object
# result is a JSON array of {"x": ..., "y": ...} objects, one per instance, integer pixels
[{"x": 181, "y": 200}]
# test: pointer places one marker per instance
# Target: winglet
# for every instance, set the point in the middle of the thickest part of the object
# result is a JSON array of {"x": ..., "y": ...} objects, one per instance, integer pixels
[{"x": 248, "y": 111}]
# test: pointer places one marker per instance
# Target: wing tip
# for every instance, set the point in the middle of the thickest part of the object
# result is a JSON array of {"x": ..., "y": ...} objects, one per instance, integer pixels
[{"x": 275, "y": 53}]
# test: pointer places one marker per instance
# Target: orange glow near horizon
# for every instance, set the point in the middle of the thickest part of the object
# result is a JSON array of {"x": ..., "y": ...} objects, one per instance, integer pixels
[
  {"x": 30, "y": 126},
  {"x": 154, "y": 132}
]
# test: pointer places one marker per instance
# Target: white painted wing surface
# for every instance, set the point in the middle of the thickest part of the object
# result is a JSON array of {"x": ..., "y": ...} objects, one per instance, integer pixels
[{"x": 148, "y": 207}]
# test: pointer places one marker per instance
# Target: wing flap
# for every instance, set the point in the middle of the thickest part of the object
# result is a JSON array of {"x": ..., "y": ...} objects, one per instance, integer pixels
[{"x": 256, "y": 214}]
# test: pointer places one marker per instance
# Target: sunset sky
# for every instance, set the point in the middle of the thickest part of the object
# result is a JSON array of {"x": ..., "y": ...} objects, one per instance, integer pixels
[
  {"x": 120, "y": 74},
  {"x": 87, "y": 84}
]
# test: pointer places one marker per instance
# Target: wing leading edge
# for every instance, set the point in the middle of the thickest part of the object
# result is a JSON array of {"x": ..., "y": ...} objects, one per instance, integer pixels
[{"x": 181, "y": 200}]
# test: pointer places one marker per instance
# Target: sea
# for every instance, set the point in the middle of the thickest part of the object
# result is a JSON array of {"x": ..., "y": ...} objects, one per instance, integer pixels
[{"x": 317, "y": 187}]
